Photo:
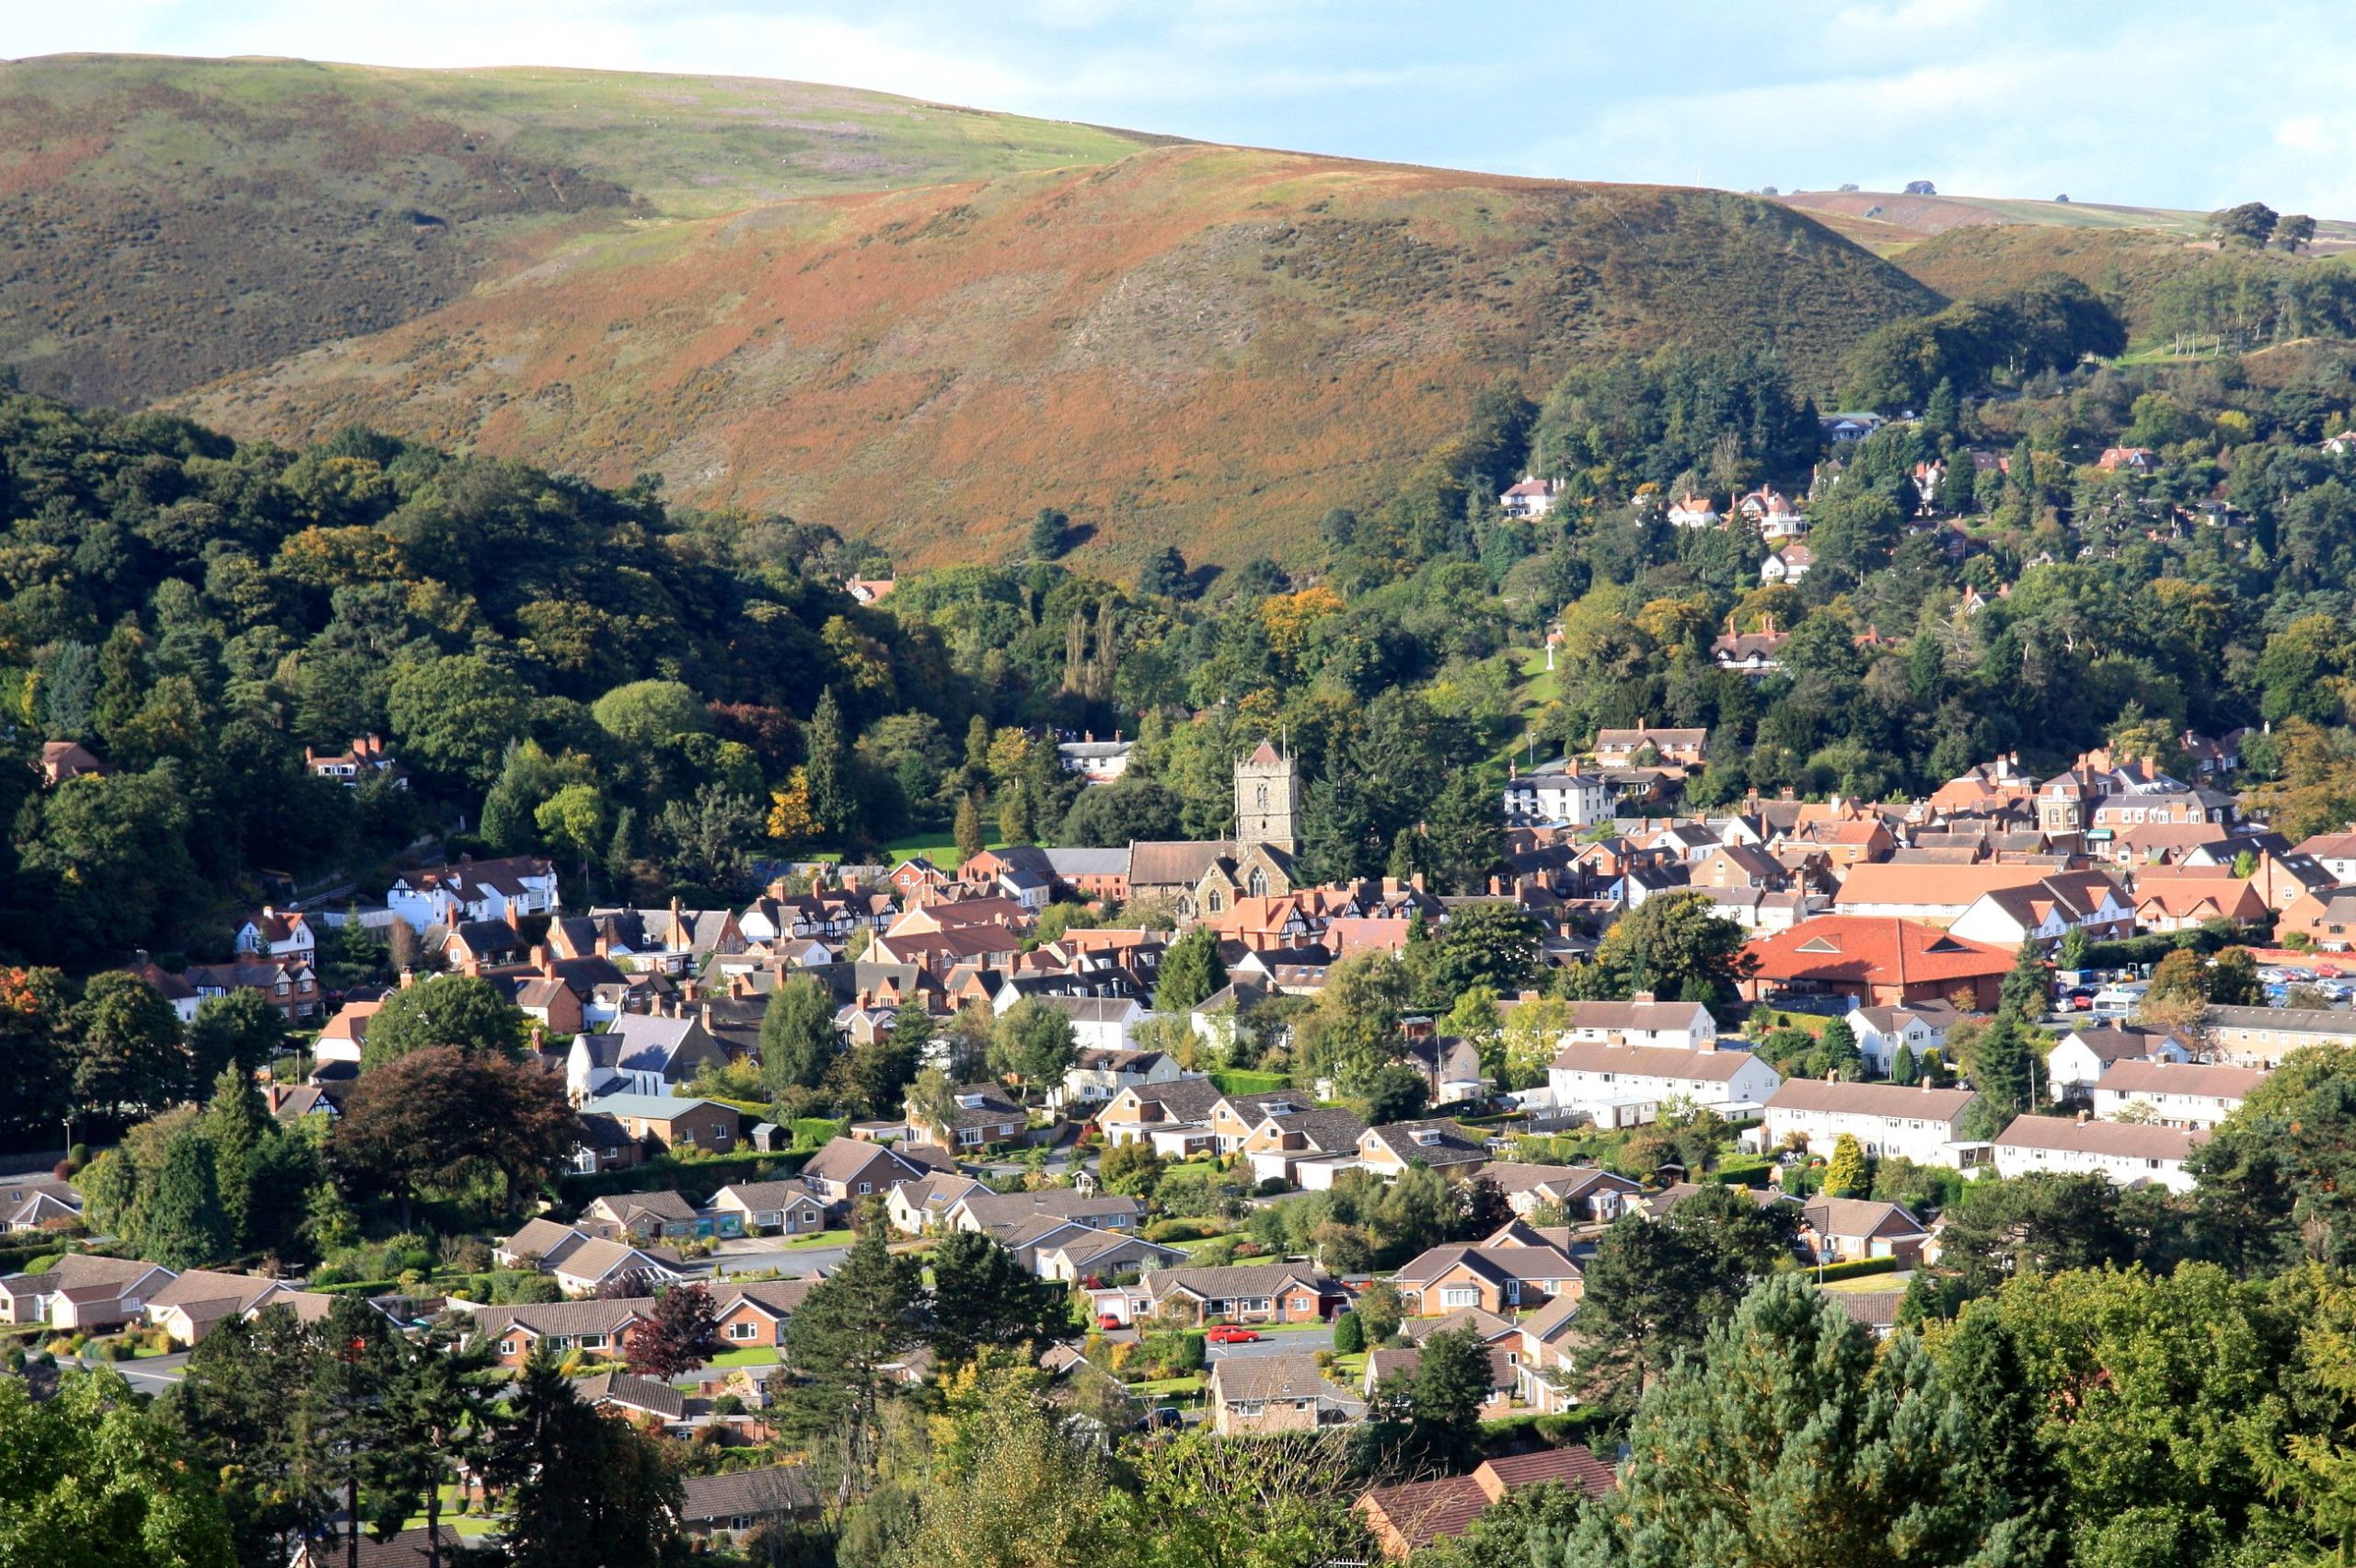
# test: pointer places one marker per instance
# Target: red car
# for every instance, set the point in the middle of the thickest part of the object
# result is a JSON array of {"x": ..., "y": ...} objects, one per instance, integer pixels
[
  {"x": 1106, "y": 1321},
  {"x": 1231, "y": 1335}
]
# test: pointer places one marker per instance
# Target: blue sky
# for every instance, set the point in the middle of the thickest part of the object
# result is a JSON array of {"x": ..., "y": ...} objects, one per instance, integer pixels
[{"x": 2170, "y": 104}]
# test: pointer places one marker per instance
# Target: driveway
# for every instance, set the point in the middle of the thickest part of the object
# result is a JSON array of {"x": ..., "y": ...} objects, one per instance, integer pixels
[
  {"x": 151, "y": 1376},
  {"x": 751, "y": 1257},
  {"x": 1277, "y": 1341}
]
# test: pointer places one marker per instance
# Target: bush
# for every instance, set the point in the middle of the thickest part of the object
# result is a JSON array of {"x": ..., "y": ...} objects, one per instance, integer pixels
[
  {"x": 1176, "y": 1229},
  {"x": 728, "y": 1404},
  {"x": 1273, "y": 1187},
  {"x": 1859, "y": 1266},
  {"x": 1349, "y": 1334}
]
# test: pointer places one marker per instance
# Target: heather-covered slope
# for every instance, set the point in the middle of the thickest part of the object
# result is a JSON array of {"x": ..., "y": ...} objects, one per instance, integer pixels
[{"x": 1194, "y": 345}]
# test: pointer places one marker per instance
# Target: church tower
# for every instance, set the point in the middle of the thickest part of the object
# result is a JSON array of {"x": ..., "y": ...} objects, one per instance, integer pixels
[{"x": 1267, "y": 799}]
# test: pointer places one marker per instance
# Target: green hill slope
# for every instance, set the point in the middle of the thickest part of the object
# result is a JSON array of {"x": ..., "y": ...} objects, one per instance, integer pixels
[{"x": 180, "y": 220}]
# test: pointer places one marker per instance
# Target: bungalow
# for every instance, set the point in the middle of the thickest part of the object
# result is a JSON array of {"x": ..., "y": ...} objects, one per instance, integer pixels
[
  {"x": 1845, "y": 1230},
  {"x": 598, "y": 1263},
  {"x": 662, "y": 1217},
  {"x": 2185, "y": 902},
  {"x": 1923, "y": 1124},
  {"x": 1683, "y": 1026},
  {"x": 195, "y": 1301},
  {"x": 1285, "y": 1392},
  {"x": 1503, "y": 1280},
  {"x": 82, "y": 1290},
  {"x": 2195, "y": 1096},
  {"x": 631, "y": 1395},
  {"x": 1091, "y": 1253},
  {"x": 1383, "y": 1365},
  {"x": 1244, "y": 1293},
  {"x": 919, "y": 1206},
  {"x": 995, "y": 1211},
  {"x": 2125, "y": 1152},
  {"x": 1411, "y": 1516},
  {"x": 600, "y": 1327},
  {"x": 39, "y": 1202},
  {"x": 738, "y": 1502},
  {"x": 543, "y": 1243},
  {"x": 2079, "y": 1061},
  {"x": 364, "y": 759},
  {"x": 438, "y": 1545},
  {"x": 1391, "y": 1149},
  {"x": 783, "y": 1207},
  {"x": 1880, "y": 1030},
  {"x": 1141, "y": 1114}
]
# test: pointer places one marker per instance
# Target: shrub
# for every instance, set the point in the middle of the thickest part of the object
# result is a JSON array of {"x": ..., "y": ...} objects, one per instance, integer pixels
[
  {"x": 1273, "y": 1187},
  {"x": 1349, "y": 1334},
  {"x": 1176, "y": 1229},
  {"x": 728, "y": 1404}
]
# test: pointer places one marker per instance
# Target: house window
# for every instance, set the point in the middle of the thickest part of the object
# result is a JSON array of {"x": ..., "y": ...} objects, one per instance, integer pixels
[
  {"x": 593, "y": 1342},
  {"x": 1459, "y": 1296},
  {"x": 742, "y": 1330},
  {"x": 507, "y": 1347}
]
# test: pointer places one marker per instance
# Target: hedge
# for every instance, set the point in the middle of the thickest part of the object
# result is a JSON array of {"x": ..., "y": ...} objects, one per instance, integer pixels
[
  {"x": 1860, "y": 1266},
  {"x": 1237, "y": 1080},
  {"x": 2212, "y": 937}
]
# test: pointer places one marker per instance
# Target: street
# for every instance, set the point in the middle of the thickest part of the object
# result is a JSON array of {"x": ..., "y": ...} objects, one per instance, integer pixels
[
  {"x": 1308, "y": 1341},
  {"x": 757, "y": 1254}
]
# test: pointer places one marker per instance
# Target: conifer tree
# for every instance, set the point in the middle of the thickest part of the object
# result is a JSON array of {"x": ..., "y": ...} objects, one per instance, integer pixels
[
  {"x": 1902, "y": 1068},
  {"x": 851, "y": 1328},
  {"x": 983, "y": 1298},
  {"x": 1788, "y": 1443},
  {"x": 969, "y": 830},
  {"x": 1845, "y": 1176},
  {"x": 798, "y": 1040},
  {"x": 833, "y": 805},
  {"x": 1190, "y": 971},
  {"x": 184, "y": 1224},
  {"x": 2027, "y": 986}
]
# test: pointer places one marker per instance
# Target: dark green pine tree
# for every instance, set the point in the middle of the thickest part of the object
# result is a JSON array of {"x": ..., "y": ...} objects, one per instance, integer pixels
[
  {"x": 577, "y": 1487},
  {"x": 851, "y": 1328},
  {"x": 2028, "y": 987},
  {"x": 983, "y": 1298},
  {"x": 1789, "y": 1442},
  {"x": 834, "y": 803},
  {"x": 2012, "y": 1475},
  {"x": 237, "y": 1125},
  {"x": 2002, "y": 1065},
  {"x": 184, "y": 1225}
]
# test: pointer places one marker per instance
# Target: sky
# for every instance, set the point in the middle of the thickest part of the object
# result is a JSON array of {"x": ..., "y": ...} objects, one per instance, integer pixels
[{"x": 2173, "y": 103}]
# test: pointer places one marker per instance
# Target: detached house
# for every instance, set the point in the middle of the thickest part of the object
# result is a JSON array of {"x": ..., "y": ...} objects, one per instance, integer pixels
[
  {"x": 784, "y": 1207},
  {"x": 641, "y": 1054},
  {"x": 1285, "y": 1392},
  {"x": 1880, "y": 1030},
  {"x": 602, "y": 1328},
  {"x": 676, "y": 1124},
  {"x": 475, "y": 890},
  {"x": 1503, "y": 1280},
  {"x": 984, "y": 1115},
  {"x": 1391, "y": 1149},
  {"x": 844, "y": 1171},
  {"x": 1245, "y": 1293}
]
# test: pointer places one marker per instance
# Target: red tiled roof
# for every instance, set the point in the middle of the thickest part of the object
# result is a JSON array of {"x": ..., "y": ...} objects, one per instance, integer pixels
[{"x": 1836, "y": 948}]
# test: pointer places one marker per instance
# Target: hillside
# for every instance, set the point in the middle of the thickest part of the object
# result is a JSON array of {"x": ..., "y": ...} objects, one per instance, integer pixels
[
  {"x": 1888, "y": 224},
  {"x": 173, "y": 221},
  {"x": 912, "y": 322},
  {"x": 2127, "y": 267},
  {"x": 1194, "y": 346}
]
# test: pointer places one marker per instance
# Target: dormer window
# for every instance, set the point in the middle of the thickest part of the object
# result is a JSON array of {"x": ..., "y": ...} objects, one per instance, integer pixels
[
  {"x": 1427, "y": 1137},
  {"x": 969, "y": 1102}
]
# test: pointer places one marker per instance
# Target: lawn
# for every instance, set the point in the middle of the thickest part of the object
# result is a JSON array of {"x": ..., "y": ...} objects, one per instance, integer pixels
[
  {"x": 1867, "y": 1284},
  {"x": 1350, "y": 1369},
  {"x": 824, "y": 1239},
  {"x": 751, "y": 1355},
  {"x": 1167, "y": 1388}
]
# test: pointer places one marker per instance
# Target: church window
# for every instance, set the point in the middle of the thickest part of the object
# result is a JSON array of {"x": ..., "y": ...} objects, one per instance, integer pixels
[{"x": 1259, "y": 883}]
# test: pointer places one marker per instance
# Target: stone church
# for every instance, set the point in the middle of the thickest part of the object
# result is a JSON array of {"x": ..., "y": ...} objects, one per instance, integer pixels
[{"x": 1203, "y": 879}]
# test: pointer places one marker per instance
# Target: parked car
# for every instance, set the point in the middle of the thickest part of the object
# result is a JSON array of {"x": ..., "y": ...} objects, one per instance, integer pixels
[
  {"x": 1106, "y": 1321},
  {"x": 1230, "y": 1334}
]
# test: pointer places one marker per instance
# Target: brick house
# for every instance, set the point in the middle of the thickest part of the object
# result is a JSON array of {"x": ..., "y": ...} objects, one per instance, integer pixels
[
  {"x": 674, "y": 1124},
  {"x": 1503, "y": 1280},
  {"x": 1270, "y": 1393}
]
